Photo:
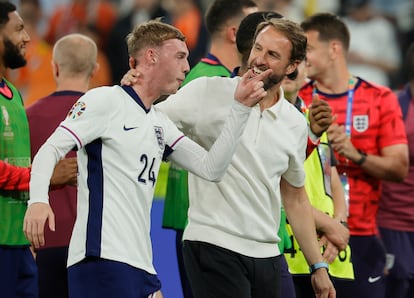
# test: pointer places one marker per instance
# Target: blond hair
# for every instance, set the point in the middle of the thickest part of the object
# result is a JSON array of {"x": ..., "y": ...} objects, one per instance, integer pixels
[
  {"x": 151, "y": 34},
  {"x": 75, "y": 54}
]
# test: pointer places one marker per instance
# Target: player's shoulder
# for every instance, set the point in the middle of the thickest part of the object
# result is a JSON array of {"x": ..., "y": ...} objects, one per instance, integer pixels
[
  {"x": 374, "y": 88},
  {"x": 104, "y": 94},
  {"x": 305, "y": 92},
  {"x": 39, "y": 104},
  {"x": 105, "y": 90},
  {"x": 213, "y": 82}
]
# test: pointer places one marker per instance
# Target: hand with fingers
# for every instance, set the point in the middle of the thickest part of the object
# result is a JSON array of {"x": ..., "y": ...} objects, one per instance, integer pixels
[
  {"x": 330, "y": 251},
  {"x": 322, "y": 284},
  {"x": 34, "y": 223},
  {"x": 320, "y": 115},
  {"x": 340, "y": 142},
  {"x": 65, "y": 172},
  {"x": 250, "y": 89},
  {"x": 130, "y": 78}
]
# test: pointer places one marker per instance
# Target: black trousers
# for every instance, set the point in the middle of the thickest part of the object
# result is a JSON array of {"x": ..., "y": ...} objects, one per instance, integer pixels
[
  {"x": 215, "y": 272},
  {"x": 53, "y": 275}
]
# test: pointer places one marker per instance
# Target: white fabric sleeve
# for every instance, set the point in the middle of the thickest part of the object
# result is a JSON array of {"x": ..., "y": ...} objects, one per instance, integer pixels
[
  {"x": 44, "y": 162},
  {"x": 312, "y": 137},
  {"x": 295, "y": 175},
  {"x": 213, "y": 164}
]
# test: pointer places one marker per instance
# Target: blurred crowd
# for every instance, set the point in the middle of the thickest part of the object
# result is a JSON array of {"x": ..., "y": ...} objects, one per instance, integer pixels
[{"x": 381, "y": 31}]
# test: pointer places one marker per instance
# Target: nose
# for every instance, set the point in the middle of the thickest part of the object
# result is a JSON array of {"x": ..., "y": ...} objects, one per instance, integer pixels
[
  {"x": 26, "y": 37},
  {"x": 260, "y": 57},
  {"x": 186, "y": 66}
]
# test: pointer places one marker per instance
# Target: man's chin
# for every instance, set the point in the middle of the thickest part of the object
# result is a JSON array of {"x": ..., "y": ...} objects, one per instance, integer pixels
[{"x": 16, "y": 63}]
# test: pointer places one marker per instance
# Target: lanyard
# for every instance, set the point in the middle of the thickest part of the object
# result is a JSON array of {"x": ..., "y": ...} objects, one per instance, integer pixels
[
  {"x": 348, "y": 122},
  {"x": 351, "y": 89}
]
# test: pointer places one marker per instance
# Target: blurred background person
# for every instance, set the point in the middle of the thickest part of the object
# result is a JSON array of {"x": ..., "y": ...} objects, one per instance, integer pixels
[
  {"x": 396, "y": 208},
  {"x": 139, "y": 12},
  {"x": 74, "y": 64},
  {"x": 35, "y": 80},
  {"x": 187, "y": 16},
  {"x": 374, "y": 51},
  {"x": 76, "y": 14},
  {"x": 297, "y": 10}
]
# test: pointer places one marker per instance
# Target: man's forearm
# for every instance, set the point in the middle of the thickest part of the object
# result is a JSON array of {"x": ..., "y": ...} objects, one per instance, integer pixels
[{"x": 13, "y": 177}]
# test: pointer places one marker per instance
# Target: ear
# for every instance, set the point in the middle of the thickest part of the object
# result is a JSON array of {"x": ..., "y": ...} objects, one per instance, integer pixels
[
  {"x": 292, "y": 67},
  {"x": 231, "y": 32},
  {"x": 55, "y": 68},
  {"x": 335, "y": 48},
  {"x": 95, "y": 70},
  {"x": 152, "y": 56},
  {"x": 132, "y": 62}
]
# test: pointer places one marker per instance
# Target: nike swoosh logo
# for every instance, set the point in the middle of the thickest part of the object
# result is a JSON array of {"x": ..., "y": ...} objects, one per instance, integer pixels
[
  {"x": 373, "y": 279},
  {"x": 129, "y": 128}
]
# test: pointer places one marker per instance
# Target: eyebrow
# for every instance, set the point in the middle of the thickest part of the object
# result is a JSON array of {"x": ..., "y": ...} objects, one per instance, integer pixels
[{"x": 182, "y": 53}]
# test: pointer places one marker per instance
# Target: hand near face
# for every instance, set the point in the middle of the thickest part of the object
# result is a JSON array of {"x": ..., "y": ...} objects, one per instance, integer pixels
[
  {"x": 320, "y": 115},
  {"x": 250, "y": 89},
  {"x": 130, "y": 78}
]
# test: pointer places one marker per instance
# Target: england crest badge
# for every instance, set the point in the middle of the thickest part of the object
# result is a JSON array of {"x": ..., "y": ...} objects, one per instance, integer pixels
[
  {"x": 159, "y": 133},
  {"x": 360, "y": 122}
]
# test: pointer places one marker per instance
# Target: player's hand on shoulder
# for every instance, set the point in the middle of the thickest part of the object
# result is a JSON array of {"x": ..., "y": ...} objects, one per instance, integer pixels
[{"x": 130, "y": 78}]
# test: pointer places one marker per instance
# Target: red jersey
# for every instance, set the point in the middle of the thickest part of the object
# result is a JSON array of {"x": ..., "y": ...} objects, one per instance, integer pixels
[
  {"x": 13, "y": 178},
  {"x": 376, "y": 122}
]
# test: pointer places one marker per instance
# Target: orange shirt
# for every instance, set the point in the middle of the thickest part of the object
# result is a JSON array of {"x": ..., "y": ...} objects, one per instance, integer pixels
[
  {"x": 189, "y": 24},
  {"x": 35, "y": 80},
  {"x": 103, "y": 76},
  {"x": 73, "y": 17}
]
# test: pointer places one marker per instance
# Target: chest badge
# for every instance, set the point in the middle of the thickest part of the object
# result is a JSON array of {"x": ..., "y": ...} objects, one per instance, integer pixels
[{"x": 360, "y": 122}]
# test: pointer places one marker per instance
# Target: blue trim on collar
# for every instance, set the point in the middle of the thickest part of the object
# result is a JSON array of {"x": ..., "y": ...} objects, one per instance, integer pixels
[
  {"x": 235, "y": 72},
  {"x": 135, "y": 97}
]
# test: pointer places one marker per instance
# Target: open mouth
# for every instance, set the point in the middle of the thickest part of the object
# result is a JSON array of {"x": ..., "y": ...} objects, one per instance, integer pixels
[{"x": 256, "y": 70}]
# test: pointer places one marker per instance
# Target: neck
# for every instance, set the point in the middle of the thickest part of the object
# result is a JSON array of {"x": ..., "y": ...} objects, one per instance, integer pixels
[
  {"x": 147, "y": 96},
  {"x": 147, "y": 86},
  {"x": 272, "y": 97},
  {"x": 334, "y": 84},
  {"x": 81, "y": 84},
  {"x": 226, "y": 53},
  {"x": 291, "y": 96}
]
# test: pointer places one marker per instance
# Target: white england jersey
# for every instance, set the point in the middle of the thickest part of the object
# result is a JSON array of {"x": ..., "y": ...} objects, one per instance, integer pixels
[
  {"x": 118, "y": 168},
  {"x": 120, "y": 148}
]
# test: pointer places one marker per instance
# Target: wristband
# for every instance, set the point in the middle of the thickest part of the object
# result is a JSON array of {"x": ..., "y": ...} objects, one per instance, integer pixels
[
  {"x": 362, "y": 159},
  {"x": 317, "y": 266},
  {"x": 344, "y": 223}
]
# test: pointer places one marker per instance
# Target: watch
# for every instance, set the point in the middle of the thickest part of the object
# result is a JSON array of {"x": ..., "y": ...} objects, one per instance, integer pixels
[
  {"x": 344, "y": 223},
  {"x": 316, "y": 266},
  {"x": 362, "y": 159}
]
